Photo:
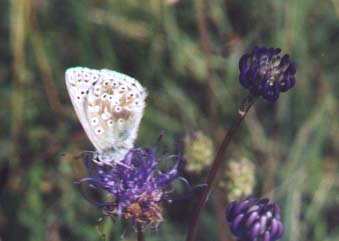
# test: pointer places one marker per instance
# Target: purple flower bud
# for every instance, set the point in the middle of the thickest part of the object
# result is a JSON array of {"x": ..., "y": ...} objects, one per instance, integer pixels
[
  {"x": 264, "y": 72},
  {"x": 254, "y": 220}
]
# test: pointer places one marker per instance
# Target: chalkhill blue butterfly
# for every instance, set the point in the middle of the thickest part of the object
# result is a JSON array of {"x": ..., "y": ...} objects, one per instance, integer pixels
[{"x": 110, "y": 106}]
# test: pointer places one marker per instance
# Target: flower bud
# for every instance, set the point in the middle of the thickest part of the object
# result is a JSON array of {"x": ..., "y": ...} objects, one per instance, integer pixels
[
  {"x": 238, "y": 179},
  {"x": 264, "y": 72},
  {"x": 255, "y": 219},
  {"x": 199, "y": 151}
]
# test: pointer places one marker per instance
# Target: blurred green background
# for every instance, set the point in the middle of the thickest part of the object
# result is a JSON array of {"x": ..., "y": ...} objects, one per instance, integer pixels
[{"x": 186, "y": 54}]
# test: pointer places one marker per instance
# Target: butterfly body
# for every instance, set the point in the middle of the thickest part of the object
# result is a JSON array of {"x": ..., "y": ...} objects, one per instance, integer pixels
[{"x": 110, "y": 106}]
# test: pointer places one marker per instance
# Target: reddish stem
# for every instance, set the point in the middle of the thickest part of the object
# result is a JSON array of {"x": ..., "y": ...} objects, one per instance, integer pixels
[
  {"x": 215, "y": 166},
  {"x": 140, "y": 232}
]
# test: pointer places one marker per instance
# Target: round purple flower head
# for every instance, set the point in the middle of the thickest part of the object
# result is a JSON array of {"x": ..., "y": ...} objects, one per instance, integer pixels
[
  {"x": 264, "y": 72},
  {"x": 135, "y": 186},
  {"x": 255, "y": 219}
]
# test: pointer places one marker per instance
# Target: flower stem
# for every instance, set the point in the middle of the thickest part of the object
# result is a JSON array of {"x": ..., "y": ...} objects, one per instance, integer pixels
[
  {"x": 215, "y": 166},
  {"x": 140, "y": 232},
  {"x": 220, "y": 208}
]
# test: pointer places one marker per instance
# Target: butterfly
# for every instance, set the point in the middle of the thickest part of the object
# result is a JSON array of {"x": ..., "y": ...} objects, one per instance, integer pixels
[{"x": 110, "y": 106}]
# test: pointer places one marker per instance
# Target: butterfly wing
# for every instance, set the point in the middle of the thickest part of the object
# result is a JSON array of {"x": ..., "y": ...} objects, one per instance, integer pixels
[{"x": 109, "y": 105}]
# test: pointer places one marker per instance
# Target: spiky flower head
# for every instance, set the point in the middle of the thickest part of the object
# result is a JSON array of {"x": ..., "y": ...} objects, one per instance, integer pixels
[
  {"x": 199, "y": 151},
  {"x": 265, "y": 73},
  {"x": 238, "y": 179},
  {"x": 255, "y": 219},
  {"x": 135, "y": 186}
]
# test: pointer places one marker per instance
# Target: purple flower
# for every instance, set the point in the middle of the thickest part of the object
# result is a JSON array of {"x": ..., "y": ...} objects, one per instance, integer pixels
[
  {"x": 255, "y": 219},
  {"x": 264, "y": 72},
  {"x": 135, "y": 187}
]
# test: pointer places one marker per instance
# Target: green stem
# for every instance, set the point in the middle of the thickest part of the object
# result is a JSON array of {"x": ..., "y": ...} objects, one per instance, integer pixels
[{"x": 215, "y": 166}]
